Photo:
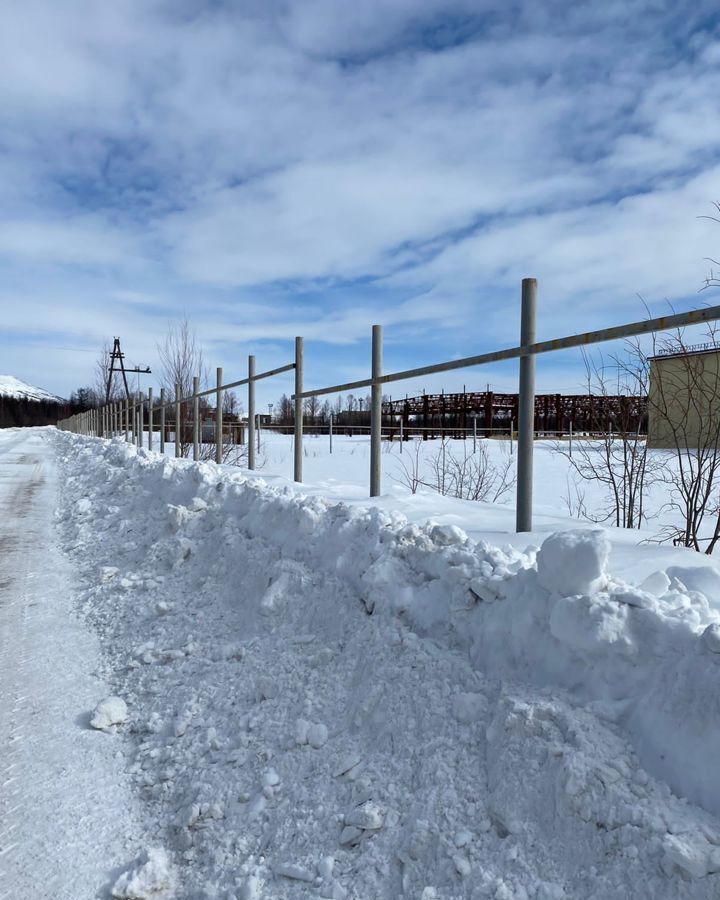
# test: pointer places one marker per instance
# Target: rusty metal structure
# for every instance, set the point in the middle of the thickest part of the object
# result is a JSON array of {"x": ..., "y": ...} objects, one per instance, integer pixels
[{"x": 434, "y": 415}]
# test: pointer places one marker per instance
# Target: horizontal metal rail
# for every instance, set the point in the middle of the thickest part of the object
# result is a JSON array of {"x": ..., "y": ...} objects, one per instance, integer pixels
[
  {"x": 663, "y": 323},
  {"x": 223, "y": 387}
]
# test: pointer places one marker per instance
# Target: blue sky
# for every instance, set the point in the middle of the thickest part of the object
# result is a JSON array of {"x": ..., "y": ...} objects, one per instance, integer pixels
[{"x": 282, "y": 168}]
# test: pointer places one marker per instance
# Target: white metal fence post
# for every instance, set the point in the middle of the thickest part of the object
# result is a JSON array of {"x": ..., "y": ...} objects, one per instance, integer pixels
[
  {"x": 178, "y": 426},
  {"x": 141, "y": 418},
  {"x": 127, "y": 420},
  {"x": 251, "y": 413},
  {"x": 475, "y": 433},
  {"x": 571, "y": 438},
  {"x": 150, "y": 418},
  {"x": 376, "y": 413},
  {"x": 330, "y": 432},
  {"x": 218, "y": 417},
  {"x": 162, "y": 420},
  {"x": 298, "y": 467},
  {"x": 401, "y": 433},
  {"x": 196, "y": 418},
  {"x": 526, "y": 408}
]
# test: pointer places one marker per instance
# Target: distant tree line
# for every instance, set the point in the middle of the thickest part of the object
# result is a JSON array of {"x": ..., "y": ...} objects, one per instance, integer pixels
[
  {"x": 21, "y": 412},
  {"x": 347, "y": 409}
]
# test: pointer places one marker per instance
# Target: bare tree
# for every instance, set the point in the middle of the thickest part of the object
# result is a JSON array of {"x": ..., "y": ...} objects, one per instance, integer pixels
[
  {"x": 618, "y": 459},
  {"x": 231, "y": 404},
  {"x": 285, "y": 414},
  {"x": 312, "y": 409},
  {"x": 181, "y": 359}
]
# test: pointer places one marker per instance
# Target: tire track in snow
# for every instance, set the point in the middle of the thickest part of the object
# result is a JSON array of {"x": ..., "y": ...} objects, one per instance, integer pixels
[
  {"x": 67, "y": 823},
  {"x": 14, "y": 577}
]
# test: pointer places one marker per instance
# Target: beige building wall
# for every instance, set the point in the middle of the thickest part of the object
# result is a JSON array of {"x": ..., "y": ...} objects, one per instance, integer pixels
[{"x": 684, "y": 401}]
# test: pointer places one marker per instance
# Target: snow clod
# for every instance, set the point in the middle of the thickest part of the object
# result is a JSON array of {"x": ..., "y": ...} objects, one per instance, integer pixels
[
  {"x": 574, "y": 562},
  {"x": 111, "y": 711},
  {"x": 294, "y": 872},
  {"x": 151, "y": 877}
]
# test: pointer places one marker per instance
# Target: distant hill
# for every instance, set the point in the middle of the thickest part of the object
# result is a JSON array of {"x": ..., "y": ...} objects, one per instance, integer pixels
[
  {"x": 10, "y": 386},
  {"x": 22, "y": 404}
]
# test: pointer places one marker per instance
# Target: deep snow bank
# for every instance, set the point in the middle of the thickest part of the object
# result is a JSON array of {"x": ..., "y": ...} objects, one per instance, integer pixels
[{"x": 188, "y": 550}]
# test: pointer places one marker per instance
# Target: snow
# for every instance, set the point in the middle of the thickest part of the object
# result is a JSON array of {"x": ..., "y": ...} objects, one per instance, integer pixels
[
  {"x": 151, "y": 877},
  {"x": 334, "y": 699},
  {"x": 68, "y": 814},
  {"x": 574, "y": 562},
  {"x": 319, "y": 697},
  {"x": 109, "y": 712},
  {"x": 13, "y": 387}
]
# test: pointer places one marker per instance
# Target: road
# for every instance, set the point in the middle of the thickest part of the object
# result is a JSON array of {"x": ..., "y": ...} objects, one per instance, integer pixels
[{"x": 67, "y": 823}]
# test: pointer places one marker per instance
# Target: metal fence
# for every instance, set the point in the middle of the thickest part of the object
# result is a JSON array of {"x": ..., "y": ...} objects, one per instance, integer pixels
[{"x": 127, "y": 416}]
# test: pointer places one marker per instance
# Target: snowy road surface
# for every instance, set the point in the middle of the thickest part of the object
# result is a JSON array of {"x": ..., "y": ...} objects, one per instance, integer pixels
[
  {"x": 329, "y": 701},
  {"x": 65, "y": 805}
]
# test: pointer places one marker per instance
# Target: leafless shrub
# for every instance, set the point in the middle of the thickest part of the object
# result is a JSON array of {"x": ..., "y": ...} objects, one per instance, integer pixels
[
  {"x": 409, "y": 466},
  {"x": 618, "y": 459},
  {"x": 574, "y": 500},
  {"x": 467, "y": 476}
]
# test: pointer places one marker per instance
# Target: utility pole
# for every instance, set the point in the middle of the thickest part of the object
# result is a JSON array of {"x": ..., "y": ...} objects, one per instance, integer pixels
[{"x": 117, "y": 356}]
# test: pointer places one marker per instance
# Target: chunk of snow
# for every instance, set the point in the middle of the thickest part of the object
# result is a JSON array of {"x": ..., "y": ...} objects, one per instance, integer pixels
[
  {"x": 317, "y": 735},
  {"x": 574, "y": 562},
  {"x": 369, "y": 817},
  {"x": 150, "y": 878},
  {"x": 692, "y": 853},
  {"x": 656, "y": 584},
  {"x": 446, "y": 535},
  {"x": 111, "y": 711},
  {"x": 462, "y": 865},
  {"x": 295, "y": 872}
]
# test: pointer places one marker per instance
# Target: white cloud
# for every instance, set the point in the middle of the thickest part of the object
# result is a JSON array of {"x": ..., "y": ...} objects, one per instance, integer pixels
[{"x": 245, "y": 162}]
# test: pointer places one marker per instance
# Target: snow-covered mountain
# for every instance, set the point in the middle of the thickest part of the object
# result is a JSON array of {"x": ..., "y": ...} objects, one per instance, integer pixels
[{"x": 13, "y": 387}]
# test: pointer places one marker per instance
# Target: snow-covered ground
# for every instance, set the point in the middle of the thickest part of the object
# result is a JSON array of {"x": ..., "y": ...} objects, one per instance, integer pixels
[{"x": 319, "y": 697}]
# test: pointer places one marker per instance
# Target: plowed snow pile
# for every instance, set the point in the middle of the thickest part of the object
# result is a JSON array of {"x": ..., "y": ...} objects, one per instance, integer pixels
[{"x": 325, "y": 701}]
